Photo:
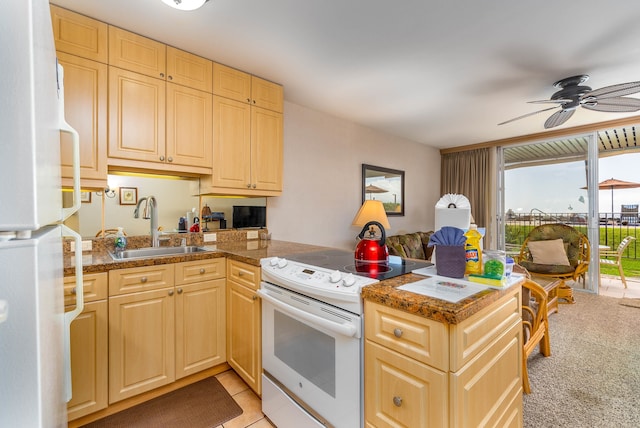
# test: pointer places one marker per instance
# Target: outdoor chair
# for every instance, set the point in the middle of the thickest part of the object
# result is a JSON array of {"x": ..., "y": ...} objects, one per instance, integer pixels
[
  {"x": 557, "y": 252},
  {"x": 617, "y": 257},
  {"x": 535, "y": 325}
]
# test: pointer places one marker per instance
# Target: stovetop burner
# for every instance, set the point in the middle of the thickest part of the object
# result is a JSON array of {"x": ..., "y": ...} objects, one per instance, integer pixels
[{"x": 344, "y": 261}]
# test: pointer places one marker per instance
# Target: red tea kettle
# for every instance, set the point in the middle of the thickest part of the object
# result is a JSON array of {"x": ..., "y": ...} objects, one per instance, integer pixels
[{"x": 370, "y": 249}]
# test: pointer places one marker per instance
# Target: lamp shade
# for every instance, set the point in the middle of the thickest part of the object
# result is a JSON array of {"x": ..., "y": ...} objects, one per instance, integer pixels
[
  {"x": 185, "y": 4},
  {"x": 371, "y": 210}
]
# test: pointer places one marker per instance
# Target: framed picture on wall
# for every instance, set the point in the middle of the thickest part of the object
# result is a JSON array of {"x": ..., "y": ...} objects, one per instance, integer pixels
[
  {"x": 128, "y": 195},
  {"x": 385, "y": 185}
]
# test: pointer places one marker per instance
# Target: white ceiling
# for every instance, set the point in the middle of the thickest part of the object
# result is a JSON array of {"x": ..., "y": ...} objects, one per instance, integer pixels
[{"x": 439, "y": 72}]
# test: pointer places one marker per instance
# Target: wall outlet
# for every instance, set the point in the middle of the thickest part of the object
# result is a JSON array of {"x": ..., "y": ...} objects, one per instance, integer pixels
[
  {"x": 87, "y": 245},
  {"x": 73, "y": 246},
  {"x": 252, "y": 234},
  {"x": 210, "y": 237}
]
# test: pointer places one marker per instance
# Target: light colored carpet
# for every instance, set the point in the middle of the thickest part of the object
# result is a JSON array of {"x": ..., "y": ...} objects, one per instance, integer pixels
[{"x": 592, "y": 378}]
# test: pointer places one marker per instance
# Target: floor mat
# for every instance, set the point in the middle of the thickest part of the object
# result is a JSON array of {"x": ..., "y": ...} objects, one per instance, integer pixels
[{"x": 204, "y": 404}]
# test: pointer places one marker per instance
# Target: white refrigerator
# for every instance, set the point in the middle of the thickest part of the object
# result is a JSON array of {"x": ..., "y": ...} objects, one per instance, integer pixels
[{"x": 34, "y": 330}]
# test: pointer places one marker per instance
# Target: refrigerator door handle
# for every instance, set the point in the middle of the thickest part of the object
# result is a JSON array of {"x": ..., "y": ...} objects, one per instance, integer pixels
[
  {"x": 71, "y": 315},
  {"x": 75, "y": 137}
]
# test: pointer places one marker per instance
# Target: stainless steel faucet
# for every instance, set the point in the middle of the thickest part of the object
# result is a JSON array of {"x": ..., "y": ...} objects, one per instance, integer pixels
[{"x": 150, "y": 211}]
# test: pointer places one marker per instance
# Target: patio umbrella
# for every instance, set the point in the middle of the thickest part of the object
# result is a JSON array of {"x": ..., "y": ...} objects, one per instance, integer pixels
[
  {"x": 374, "y": 189},
  {"x": 613, "y": 183}
]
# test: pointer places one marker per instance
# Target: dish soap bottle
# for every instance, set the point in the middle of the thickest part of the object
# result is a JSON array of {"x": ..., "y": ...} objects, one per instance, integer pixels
[
  {"x": 121, "y": 241},
  {"x": 473, "y": 252}
]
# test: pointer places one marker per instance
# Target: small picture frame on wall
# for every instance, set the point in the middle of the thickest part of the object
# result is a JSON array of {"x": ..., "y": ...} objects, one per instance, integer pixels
[
  {"x": 128, "y": 195},
  {"x": 85, "y": 197}
]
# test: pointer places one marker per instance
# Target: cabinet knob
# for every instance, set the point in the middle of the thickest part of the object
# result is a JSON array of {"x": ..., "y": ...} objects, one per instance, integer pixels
[
  {"x": 170, "y": 292},
  {"x": 255, "y": 297},
  {"x": 162, "y": 158},
  {"x": 248, "y": 185},
  {"x": 170, "y": 77},
  {"x": 254, "y": 101},
  {"x": 202, "y": 271},
  {"x": 170, "y": 159},
  {"x": 73, "y": 290},
  {"x": 161, "y": 74},
  {"x": 397, "y": 332},
  {"x": 248, "y": 100},
  {"x": 143, "y": 279},
  {"x": 240, "y": 273},
  {"x": 254, "y": 185},
  {"x": 397, "y": 401},
  {"x": 179, "y": 290}
]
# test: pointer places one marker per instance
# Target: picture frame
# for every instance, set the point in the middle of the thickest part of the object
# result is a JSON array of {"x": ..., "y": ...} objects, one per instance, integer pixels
[
  {"x": 128, "y": 195},
  {"x": 85, "y": 197},
  {"x": 386, "y": 185}
]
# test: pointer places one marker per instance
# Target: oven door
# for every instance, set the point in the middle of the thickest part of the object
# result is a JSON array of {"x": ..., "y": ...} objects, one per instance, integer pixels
[{"x": 314, "y": 351}]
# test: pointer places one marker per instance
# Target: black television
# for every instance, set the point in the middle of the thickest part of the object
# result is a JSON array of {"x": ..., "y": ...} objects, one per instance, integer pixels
[{"x": 249, "y": 216}]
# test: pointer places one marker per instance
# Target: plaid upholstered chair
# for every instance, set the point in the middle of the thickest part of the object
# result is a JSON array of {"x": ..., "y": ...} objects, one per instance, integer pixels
[
  {"x": 410, "y": 245},
  {"x": 557, "y": 252}
]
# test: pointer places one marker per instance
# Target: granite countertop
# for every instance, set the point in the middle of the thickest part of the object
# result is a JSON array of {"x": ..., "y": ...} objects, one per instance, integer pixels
[
  {"x": 386, "y": 293},
  {"x": 245, "y": 251}
]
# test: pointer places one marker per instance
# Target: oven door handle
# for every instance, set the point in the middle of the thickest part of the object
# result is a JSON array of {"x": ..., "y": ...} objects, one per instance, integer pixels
[{"x": 348, "y": 330}]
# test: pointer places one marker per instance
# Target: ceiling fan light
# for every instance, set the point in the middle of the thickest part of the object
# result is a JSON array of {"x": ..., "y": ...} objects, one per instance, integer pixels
[{"x": 185, "y": 4}]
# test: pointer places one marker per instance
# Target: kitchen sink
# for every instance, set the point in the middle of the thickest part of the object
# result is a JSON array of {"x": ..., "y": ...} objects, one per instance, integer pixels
[{"x": 140, "y": 253}]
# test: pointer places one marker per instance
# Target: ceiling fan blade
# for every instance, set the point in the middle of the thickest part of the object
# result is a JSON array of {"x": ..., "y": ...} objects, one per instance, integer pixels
[
  {"x": 616, "y": 104},
  {"x": 528, "y": 114},
  {"x": 558, "y": 118},
  {"x": 614, "y": 90},
  {"x": 559, "y": 101}
]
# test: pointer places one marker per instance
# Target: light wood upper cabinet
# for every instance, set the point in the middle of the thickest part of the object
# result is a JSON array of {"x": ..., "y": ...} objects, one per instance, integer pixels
[
  {"x": 79, "y": 35},
  {"x": 189, "y": 118},
  {"x": 137, "y": 106},
  {"x": 133, "y": 52},
  {"x": 266, "y": 149},
  {"x": 85, "y": 92},
  {"x": 187, "y": 69},
  {"x": 240, "y": 86}
]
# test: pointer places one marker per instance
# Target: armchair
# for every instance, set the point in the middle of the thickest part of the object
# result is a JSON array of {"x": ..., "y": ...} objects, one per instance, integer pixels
[{"x": 558, "y": 252}]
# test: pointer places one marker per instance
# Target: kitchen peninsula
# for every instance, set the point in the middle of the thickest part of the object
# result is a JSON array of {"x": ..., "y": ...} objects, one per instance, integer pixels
[{"x": 427, "y": 362}]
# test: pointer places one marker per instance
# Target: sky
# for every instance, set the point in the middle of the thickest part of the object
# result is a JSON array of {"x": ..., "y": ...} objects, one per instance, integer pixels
[{"x": 558, "y": 188}]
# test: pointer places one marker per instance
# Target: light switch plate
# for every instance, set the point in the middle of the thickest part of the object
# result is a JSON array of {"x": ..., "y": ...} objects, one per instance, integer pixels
[
  {"x": 87, "y": 245},
  {"x": 252, "y": 234},
  {"x": 210, "y": 237}
]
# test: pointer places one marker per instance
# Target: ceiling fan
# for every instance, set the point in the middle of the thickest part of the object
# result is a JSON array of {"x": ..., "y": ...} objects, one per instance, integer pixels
[{"x": 571, "y": 95}]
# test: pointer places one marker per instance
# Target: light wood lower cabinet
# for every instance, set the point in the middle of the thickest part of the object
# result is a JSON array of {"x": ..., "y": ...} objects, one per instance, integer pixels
[
  {"x": 244, "y": 323},
  {"x": 175, "y": 327},
  {"x": 423, "y": 373},
  {"x": 88, "y": 347}
]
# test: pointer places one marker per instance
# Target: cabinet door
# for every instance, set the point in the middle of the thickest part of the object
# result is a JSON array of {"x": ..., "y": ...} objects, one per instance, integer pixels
[
  {"x": 189, "y": 126},
  {"x": 231, "y": 143},
  {"x": 189, "y": 70},
  {"x": 200, "y": 326},
  {"x": 136, "y": 53},
  {"x": 266, "y": 149},
  {"x": 231, "y": 83},
  {"x": 244, "y": 340},
  {"x": 267, "y": 94},
  {"x": 136, "y": 116},
  {"x": 89, "y": 339},
  {"x": 85, "y": 95},
  {"x": 79, "y": 35},
  {"x": 141, "y": 342},
  {"x": 401, "y": 392}
]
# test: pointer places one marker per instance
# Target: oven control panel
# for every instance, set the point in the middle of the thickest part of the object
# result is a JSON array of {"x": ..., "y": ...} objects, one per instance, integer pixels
[{"x": 318, "y": 282}]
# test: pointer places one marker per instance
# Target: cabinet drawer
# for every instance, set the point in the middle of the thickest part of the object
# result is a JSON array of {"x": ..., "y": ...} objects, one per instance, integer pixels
[
  {"x": 402, "y": 392},
  {"x": 94, "y": 286},
  {"x": 122, "y": 281},
  {"x": 474, "y": 334},
  {"x": 244, "y": 274},
  {"x": 200, "y": 270},
  {"x": 414, "y": 336}
]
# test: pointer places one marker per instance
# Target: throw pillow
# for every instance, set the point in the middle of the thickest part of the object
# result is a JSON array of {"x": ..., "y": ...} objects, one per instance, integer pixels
[{"x": 548, "y": 252}]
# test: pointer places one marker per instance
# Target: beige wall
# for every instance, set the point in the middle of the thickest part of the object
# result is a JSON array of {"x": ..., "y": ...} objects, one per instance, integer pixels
[{"x": 323, "y": 158}]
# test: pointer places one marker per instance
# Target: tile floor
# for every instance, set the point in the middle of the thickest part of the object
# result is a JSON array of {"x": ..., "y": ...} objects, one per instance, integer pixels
[
  {"x": 250, "y": 403},
  {"x": 612, "y": 286}
]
